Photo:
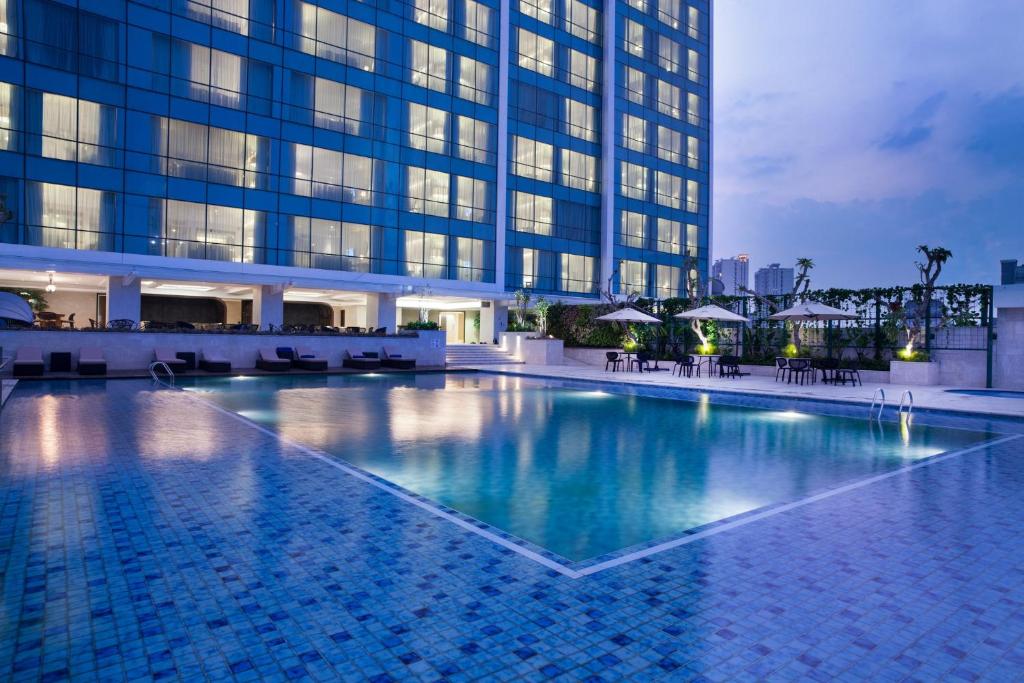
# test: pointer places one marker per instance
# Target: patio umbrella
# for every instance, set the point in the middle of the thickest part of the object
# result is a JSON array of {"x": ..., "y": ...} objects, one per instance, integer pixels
[
  {"x": 709, "y": 312},
  {"x": 628, "y": 315},
  {"x": 13, "y": 307},
  {"x": 810, "y": 311}
]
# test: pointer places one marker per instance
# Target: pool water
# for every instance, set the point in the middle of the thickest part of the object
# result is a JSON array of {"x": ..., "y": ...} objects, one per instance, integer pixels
[
  {"x": 996, "y": 393},
  {"x": 579, "y": 473}
]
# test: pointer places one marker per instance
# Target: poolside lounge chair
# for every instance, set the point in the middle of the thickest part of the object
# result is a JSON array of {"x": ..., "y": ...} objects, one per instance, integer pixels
[
  {"x": 307, "y": 360},
  {"x": 28, "y": 362},
  {"x": 214, "y": 361},
  {"x": 361, "y": 362},
  {"x": 165, "y": 355},
  {"x": 267, "y": 359},
  {"x": 389, "y": 359},
  {"x": 91, "y": 361}
]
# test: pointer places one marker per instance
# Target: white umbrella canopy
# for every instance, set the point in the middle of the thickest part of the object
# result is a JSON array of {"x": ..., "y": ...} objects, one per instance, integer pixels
[
  {"x": 811, "y": 311},
  {"x": 712, "y": 312},
  {"x": 628, "y": 315},
  {"x": 13, "y": 307}
]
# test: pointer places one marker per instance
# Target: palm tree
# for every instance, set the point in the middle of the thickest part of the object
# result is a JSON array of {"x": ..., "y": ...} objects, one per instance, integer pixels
[{"x": 803, "y": 280}]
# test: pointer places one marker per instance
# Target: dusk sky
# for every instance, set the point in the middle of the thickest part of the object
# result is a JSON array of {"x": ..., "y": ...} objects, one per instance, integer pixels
[{"x": 851, "y": 131}]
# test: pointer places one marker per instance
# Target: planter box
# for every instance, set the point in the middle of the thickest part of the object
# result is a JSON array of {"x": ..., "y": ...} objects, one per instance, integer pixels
[
  {"x": 532, "y": 351},
  {"x": 903, "y": 372}
]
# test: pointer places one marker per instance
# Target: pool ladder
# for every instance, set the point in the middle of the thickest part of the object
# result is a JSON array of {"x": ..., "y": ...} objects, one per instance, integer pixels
[
  {"x": 906, "y": 399},
  {"x": 156, "y": 378},
  {"x": 878, "y": 398}
]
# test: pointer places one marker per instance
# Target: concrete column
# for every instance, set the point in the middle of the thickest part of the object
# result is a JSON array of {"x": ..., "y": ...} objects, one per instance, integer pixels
[
  {"x": 493, "y": 321},
  {"x": 268, "y": 306},
  {"x": 382, "y": 311},
  {"x": 124, "y": 298}
]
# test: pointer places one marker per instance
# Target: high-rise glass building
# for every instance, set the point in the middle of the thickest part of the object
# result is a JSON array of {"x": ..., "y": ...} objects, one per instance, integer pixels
[{"x": 375, "y": 158}]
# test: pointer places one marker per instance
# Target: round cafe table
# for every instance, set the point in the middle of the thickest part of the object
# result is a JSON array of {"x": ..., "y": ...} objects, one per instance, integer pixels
[{"x": 710, "y": 359}]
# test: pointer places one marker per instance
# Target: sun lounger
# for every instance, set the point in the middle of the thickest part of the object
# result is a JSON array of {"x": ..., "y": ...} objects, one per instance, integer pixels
[
  {"x": 91, "y": 361},
  {"x": 395, "y": 360},
  {"x": 269, "y": 360},
  {"x": 28, "y": 362},
  {"x": 214, "y": 361},
  {"x": 361, "y": 362},
  {"x": 165, "y": 355},
  {"x": 307, "y": 360}
]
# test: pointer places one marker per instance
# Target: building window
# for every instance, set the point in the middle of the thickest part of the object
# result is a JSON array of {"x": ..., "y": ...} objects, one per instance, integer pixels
[
  {"x": 65, "y": 38},
  {"x": 232, "y": 15},
  {"x": 428, "y": 128},
  {"x": 582, "y": 20},
  {"x": 432, "y": 13},
  {"x": 693, "y": 151},
  {"x": 693, "y": 65},
  {"x": 633, "y": 181},
  {"x": 693, "y": 109},
  {"x": 357, "y": 179},
  {"x": 532, "y": 213},
  {"x": 634, "y": 133},
  {"x": 67, "y": 217},
  {"x": 632, "y": 277},
  {"x": 330, "y": 244},
  {"x": 473, "y": 139},
  {"x": 633, "y": 229},
  {"x": 692, "y": 196},
  {"x": 426, "y": 254},
  {"x": 474, "y": 80},
  {"x": 638, "y": 5},
  {"x": 538, "y": 9},
  {"x": 338, "y": 106},
  {"x": 577, "y": 273},
  {"x": 10, "y": 107},
  {"x": 667, "y": 281},
  {"x": 669, "y": 54},
  {"x": 582, "y": 70},
  {"x": 669, "y": 101},
  {"x": 634, "y": 38},
  {"x": 335, "y": 37},
  {"x": 477, "y": 28},
  {"x": 429, "y": 66},
  {"x": 635, "y": 82},
  {"x": 579, "y": 170},
  {"x": 669, "y": 236},
  {"x": 670, "y": 144},
  {"x": 532, "y": 159},
  {"x": 669, "y": 12},
  {"x": 469, "y": 254},
  {"x": 327, "y": 173},
  {"x": 668, "y": 190},
  {"x": 536, "y": 53},
  {"x": 580, "y": 120},
  {"x": 693, "y": 23},
  {"x": 427, "y": 191},
  {"x": 530, "y": 260},
  {"x": 471, "y": 199}
]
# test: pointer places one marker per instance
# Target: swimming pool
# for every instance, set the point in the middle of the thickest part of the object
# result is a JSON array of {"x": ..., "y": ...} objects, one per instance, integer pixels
[
  {"x": 578, "y": 473},
  {"x": 995, "y": 393}
]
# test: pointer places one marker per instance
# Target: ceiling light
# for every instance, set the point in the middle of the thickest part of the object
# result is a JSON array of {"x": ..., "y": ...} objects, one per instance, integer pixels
[
  {"x": 185, "y": 288},
  {"x": 51, "y": 288},
  {"x": 148, "y": 283}
]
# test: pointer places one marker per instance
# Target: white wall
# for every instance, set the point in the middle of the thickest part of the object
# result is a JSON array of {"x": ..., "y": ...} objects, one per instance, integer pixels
[
  {"x": 82, "y": 304},
  {"x": 1008, "y": 352}
]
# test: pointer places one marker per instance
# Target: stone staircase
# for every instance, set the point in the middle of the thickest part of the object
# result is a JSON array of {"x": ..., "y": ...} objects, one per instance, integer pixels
[{"x": 462, "y": 355}]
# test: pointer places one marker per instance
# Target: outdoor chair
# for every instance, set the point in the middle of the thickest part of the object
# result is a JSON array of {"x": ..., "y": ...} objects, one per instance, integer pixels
[
  {"x": 685, "y": 364},
  {"x": 214, "y": 361},
  {"x": 28, "y": 362},
  {"x": 827, "y": 367},
  {"x": 91, "y": 361},
  {"x": 364, "y": 361},
  {"x": 389, "y": 359},
  {"x": 307, "y": 360},
  {"x": 267, "y": 359},
  {"x": 121, "y": 324},
  {"x": 642, "y": 361},
  {"x": 800, "y": 370},
  {"x": 165, "y": 355},
  {"x": 729, "y": 366},
  {"x": 848, "y": 371},
  {"x": 70, "y": 322},
  {"x": 781, "y": 367},
  {"x": 612, "y": 359}
]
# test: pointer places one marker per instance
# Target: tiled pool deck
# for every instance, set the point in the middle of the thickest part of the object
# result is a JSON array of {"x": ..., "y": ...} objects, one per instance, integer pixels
[{"x": 143, "y": 534}]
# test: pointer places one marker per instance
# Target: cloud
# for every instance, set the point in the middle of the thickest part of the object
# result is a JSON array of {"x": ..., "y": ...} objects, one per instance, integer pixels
[
  {"x": 761, "y": 166},
  {"x": 916, "y": 127},
  {"x": 998, "y": 126}
]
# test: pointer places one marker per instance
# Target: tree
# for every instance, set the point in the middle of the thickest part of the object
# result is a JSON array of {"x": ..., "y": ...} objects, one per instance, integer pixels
[
  {"x": 542, "y": 307},
  {"x": 522, "y": 304},
  {"x": 919, "y": 321},
  {"x": 802, "y": 282}
]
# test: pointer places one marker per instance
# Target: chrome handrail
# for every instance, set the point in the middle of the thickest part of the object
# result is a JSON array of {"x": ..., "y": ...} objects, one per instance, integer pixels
[
  {"x": 907, "y": 396},
  {"x": 880, "y": 401},
  {"x": 167, "y": 368}
]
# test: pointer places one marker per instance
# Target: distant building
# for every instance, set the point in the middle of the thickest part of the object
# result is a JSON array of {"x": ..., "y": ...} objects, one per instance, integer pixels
[
  {"x": 1012, "y": 272},
  {"x": 773, "y": 280},
  {"x": 733, "y": 273}
]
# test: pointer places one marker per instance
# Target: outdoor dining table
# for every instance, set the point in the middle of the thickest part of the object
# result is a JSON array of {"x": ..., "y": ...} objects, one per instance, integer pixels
[{"x": 710, "y": 358}]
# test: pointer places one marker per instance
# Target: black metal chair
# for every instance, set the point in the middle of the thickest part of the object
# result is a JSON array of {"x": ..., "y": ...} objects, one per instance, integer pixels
[
  {"x": 799, "y": 370},
  {"x": 685, "y": 364},
  {"x": 729, "y": 366},
  {"x": 827, "y": 367},
  {"x": 848, "y": 371},
  {"x": 781, "y": 367},
  {"x": 612, "y": 359},
  {"x": 642, "y": 360}
]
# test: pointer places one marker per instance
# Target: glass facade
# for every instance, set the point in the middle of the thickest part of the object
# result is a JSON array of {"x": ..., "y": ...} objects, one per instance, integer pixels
[{"x": 362, "y": 137}]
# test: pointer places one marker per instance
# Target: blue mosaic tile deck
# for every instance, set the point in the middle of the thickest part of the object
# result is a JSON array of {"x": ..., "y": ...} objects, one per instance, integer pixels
[{"x": 145, "y": 535}]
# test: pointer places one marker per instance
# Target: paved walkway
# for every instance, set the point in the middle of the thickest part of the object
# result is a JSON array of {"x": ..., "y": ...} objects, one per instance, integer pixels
[{"x": 935, "y": 397}]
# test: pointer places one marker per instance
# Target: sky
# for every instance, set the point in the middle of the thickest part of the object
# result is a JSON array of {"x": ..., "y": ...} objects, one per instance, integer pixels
[{"x": 850, "y": 131}]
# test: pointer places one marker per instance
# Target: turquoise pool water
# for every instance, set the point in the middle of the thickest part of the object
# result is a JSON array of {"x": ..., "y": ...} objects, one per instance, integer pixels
[{"x": 579, "y": 473}]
